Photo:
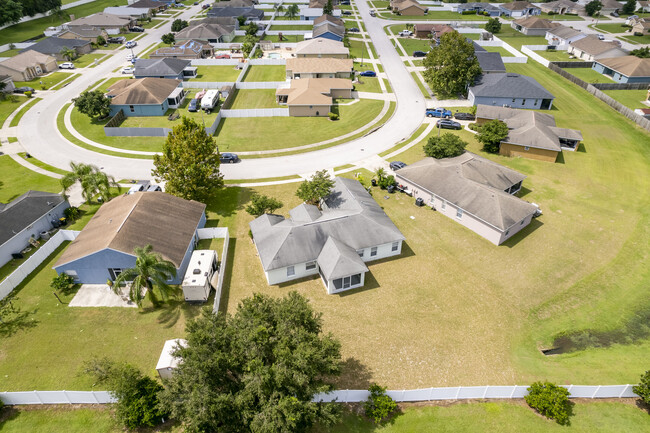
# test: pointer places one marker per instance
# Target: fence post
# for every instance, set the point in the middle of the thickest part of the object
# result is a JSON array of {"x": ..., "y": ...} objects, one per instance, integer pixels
[
  {"x": 514, "y": 388},
  {"x": 94, "y": 396},
  {"x": 457, "y": 393},
  {"x": 595, "y": 392},
  {"x": 485, "y": 391},
  {"x": 38, "y": 397},
  {"x": 67, "y": 397},
  {"x": 624, "y": 390},
  {"x": 430, "y": 394}
]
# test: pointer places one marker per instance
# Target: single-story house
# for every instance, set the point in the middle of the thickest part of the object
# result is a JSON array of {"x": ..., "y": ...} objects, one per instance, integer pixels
[
  {"x": 625, "y": 69},
  {"x": 512, "y": 90},
  {"x": 334, "y": 242},
  {"x": 491, "y": 63},
  {"x": 559, "y": 7},
  {"x": 326, "y": 18},
  {"x": 533, "y": 26},
  {"x": 329, "y": 31},
  {"x": 311, "y": 14},
  {"x": 479, "y": 8},
  {"x": 105, "y": 246},
  {"x": 145, "y": 96},
  {"x": 234, "y": 4},
  {"x": 250, "y": 13},
  {"x": 28, "y": 65},
  {"x": 319, "y": 68},
  {"x": 643, "y": 5},
  {"x": 518, "y": 9},
  {"x": 152, "y": 5},
  {"x": 431, "y": 31},
  {"x": 89, "y": 34},
  {"x": 52, "y": 46},
  {"x": 131, "y": 12},
  {"x": 641, "y": 26},
  {"x": 25, "y": 218},
  {"x": 408, "y": 8},
  {"x": 610, "y": 6},
  {"x": 111, "y": 23},
  {"x": 175, "y": 69},
  {"x": 473, "y": 191},
  {"x": 321, "y": 3},
  {"x": 189, "y": 49},
  {"x": 322, "y": 47},
  {"x": 213, "y": 33},
  {"x": 313, "y": 96},
  {"x": 167, "y": 363},
  {"x": 590, "y": 48},
  {"x": 531, "y": 134},
  {"x": 563, "y": 35},
  {"x": 8, "y": 82}
]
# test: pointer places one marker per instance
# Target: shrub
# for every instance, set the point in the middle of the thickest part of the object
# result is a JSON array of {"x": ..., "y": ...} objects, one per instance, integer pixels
[
  {"x": 550, "y": 400},
  {"x": 379, "y": 406},
  {"x": 643, "y": 388},
  {"x": 100, "y": 40},
  {"x": 446, "y": 146},
  {"x": 28, "y": 94},
  {"x": 62, "y": 282},
  {"x": 333, "y": 116},
  {"x": 638, "y": 34},
  {"x": 468, "y": 13},
  {"x": 71, "y": 213},
  {"x": 474, "y": 126},
  {"x": 43, "y": 87},
  {"x": 491, "y": 134},
  {"x": 493, "y": 25},
  {"x": 261, "y": 204},
  {"x": 386, "y": 181}
]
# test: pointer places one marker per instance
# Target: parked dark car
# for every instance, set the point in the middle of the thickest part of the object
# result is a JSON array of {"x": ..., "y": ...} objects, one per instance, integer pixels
[
  {"x": 346, "y": 12},
  {"x": 614, "y": 14},
  {"x": 448, "y": 124},
  {"x": 196, "y": 3},
  {"x": 116, "y": 40},
  {"x": 419, "y": 54},
  {"x": 230, "y": 158},
  {"x": 194, "y": 106},
  {"x": 353, "y": 30},
  {"x": 24, "y": 89},
  {"x": 368, "y": 74},
  {"x": 396, "y": 165},
  {"x": 137, "y": 29},
  {"x": 464, "y": 116},
  {"x": 205, "y": 6},
  {"x": 345, "y": 2}
]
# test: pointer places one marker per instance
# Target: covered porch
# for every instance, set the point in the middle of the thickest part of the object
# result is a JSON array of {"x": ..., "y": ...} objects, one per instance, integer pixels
[{"x": 340, "y": 267}]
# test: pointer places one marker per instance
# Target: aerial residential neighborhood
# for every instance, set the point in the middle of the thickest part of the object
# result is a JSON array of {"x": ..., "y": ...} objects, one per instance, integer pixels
[{"x": 321, "y": 216}]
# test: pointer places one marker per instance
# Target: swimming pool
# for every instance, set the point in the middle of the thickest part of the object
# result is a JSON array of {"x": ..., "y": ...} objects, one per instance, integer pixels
[{"x": 275, "y": 56}]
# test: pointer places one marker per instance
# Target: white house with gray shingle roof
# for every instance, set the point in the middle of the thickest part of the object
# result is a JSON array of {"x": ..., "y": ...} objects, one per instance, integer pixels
[
  {"x": 510, "y": 90},
  {"x": 335, "y": 242},
  {"x": 473, "y": 191}
]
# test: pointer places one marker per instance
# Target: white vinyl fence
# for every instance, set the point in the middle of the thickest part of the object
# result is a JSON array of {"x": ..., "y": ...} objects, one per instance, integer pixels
[
  {"x": 33, "y": 262},
  {"x": 215, "y": 62},
  {"x": 204, "y": 84},
  {"x": 217, "y": 233},
  {"x": 255, "y": 112},
  {"x": 259, "y": 84},
  {"x": 267, "y": 62},
  {"x": 342, "y": 396}
]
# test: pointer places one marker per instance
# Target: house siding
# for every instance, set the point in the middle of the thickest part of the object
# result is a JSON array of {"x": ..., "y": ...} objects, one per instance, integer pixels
[
  {"x": 529, "y": 103},
  {"x": 618, "y": 77},
  {"x": 528, "y": 31},
  {"x": 508, "y": 149},
  {"x": 30, "y": 72},
  {"x": 309, "y": 110},
  {"x": 320, "y": 56},
  {"x": 141, "y": 110},
  {"x": 522, "y": 13},
  {"x": 291, "y": 74},
  {"x": 21, "y": 240},
  {"x": 341, "y": 93}
]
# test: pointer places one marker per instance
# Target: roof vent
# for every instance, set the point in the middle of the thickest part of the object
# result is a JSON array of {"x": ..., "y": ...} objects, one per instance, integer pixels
[
  {"x": 196, "y": 271},
  {"x": 512, "y": 75}
]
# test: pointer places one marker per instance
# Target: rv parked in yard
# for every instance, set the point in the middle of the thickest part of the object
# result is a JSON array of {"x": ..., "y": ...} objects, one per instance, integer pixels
[
  {"x": 210, "y": 100},
  {"x": 199, "y": 275}
]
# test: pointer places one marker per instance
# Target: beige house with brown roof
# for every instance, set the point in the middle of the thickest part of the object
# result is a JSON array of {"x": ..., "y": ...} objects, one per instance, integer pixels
[
  {"x": 560, "y": 7},
  {"x": 86, "y": 34},
  {"x": 408, "y": 7},
  {"x": 641, "y": 26},
  {"x": 28, "y": 65},
  {"x": 111, "y": 23},
  {"x": 319, "y": 68},
  {"x": 626, "y": 69},
  {"x": 322, "y": 47},
  {"x": 313, "y": 96},
  {"x": 187, "y": 50},
  {"x": 533, "y": 26},
  {"x": 590, "y": 48}
]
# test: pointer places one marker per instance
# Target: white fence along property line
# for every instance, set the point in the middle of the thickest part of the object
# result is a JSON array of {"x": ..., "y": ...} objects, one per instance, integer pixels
[
  {"x": 267, "y": 62},
  {"x": 215, "y": 62},
  {"x": 259, "y": 84},
  {"x": 33, "y": 262},
  {"x": 205, "y": 84},
  {"x": 217, "y": 233},
  {"x": 343, "y": 396},
  {"x": 533, "y": 55},
  {"x": 255, "y": 112}
]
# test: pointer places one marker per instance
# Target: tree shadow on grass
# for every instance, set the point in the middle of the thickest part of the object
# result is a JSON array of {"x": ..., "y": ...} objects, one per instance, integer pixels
[
  {"x": 354, "y": 375},
  {"x": 225, "y": 203},
  {"x": 643, "y": 406},
  {"x": 16, "y": 320}
]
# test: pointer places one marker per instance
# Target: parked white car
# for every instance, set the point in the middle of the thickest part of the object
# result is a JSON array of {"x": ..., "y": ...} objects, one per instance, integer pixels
[
  {"x": 406, "y": 33},
  {"x": 66, "y": 65},
  {"x": 128, "y": 70}
]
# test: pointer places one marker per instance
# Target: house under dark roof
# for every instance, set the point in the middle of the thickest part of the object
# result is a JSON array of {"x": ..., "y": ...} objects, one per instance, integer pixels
[
  {"x": 246, "y": 12},
  {"x": 510, "y": 85},
  {"x": 160, "y": 67},
  {"x": 23, "y": 211},
  {"x": 54, "y": 45},
  {"x": 490, "y": 62}
]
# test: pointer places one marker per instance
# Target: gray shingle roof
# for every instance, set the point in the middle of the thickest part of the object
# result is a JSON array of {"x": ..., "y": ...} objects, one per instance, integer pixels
[
  {"x": 328, "y": 27},
  {"x": 509, "y": 85},
  {"x": 490, "y": 62},
  {"x": 349, "y": 215},
  {"x": 247, "y": 12},
  {"x": 53, "y": 45},
  {"x": 160, "y": 67},
  {"x": 338, "y": 260},
  {"x": 564, "y": 32},
  {"x": 23, "y": 211},
  {"x": 473, "y": 184}
]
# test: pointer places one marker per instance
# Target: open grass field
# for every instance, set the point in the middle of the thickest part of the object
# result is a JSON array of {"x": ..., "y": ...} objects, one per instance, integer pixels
[
  {"x": 589, "y": 75},
  {"x": 630, "y": 98},
  {"x": 254, "y": 98},
  {"x": 265, "y": 73},
  {"x": 268, "y": 133},
  {"x": 47, "y": 80},
  {"x": 219, "y": 74},
  {"x": 31, "y": 29},
  {"x": 19, "y": 115},
  {"x": 508, "y": 417},
  {"x": 412, "y": 44},
  {"x": 7, "y": 107}
]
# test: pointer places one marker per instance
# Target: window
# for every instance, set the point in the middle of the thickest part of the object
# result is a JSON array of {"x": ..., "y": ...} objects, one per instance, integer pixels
[
  {"x": 356, "y": 279},
  {"x": 523, "y": 102},
  {"x": 310, "y": 266},
  {"x": 360, "y": 252},
  {"x": 395, "y": 246},
  {"x": 291, "y": 271},
  {"x": 522, "y": 222},
  {"x": 459, "y": 213},
  {"x": 132, "y": 108},
  {"x": 513, "y": 100},
  {"x": 507, "y": 232},
  {"x": 443, "y": 205},
  {"x": 347, "y": 282},
  {"x": 373, "y": 251},
  {"x": 526, "y": 148}
]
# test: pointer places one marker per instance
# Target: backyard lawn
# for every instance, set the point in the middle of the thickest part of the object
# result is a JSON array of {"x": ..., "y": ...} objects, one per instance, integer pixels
[
  {"x": 47, "y": 80},
  {"x": 500, "y": 50},
  {"x": 17, "y": 180},
  {"x": 557, "y": 56},
  {"x": 254, "y": 98},
  {"x": 630, "y": 98},
  {"x": 269, "y": 133},
  {"x": 285, "y": 38},
  {"x": 266, "y": 73},
  {"x": 292, "y": 27},
  {"x": 589, "y": 75},
  {"x": 219, "y": 74}
]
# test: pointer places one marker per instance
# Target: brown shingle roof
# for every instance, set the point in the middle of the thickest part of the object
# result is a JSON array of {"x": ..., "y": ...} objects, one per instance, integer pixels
[
  {"x": 322, "y": 65},
  {"x": 312, "y": 91},
  {"x": 142, "y": 91},
  {"x": 517, "y": 5},
  {"x": 630, "y": 66},
  {"x": 329, "y": 18},
  {"x": 594, "y": 46},
  {"x": 166, "y": 222},
  {"x": 536, "y": 23},
  {"x": 26, "y": 60},
  {"x": 321, "y": 46}
]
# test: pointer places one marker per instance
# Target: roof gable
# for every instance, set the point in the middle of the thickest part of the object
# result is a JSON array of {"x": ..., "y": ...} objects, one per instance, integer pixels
[
  {"x": 23, "y": 211},
  {"x": 142, "y": 91},
  {"x": 509, "y": 85}
]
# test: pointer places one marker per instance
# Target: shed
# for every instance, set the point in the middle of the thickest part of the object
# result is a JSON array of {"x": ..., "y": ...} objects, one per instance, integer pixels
[
  {"x": 201, "y": 276},
  {"x": 168, "y": 363}
]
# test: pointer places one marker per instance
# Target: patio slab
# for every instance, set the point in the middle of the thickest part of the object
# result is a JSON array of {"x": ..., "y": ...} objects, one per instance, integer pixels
[{"x": 100, "y": 295}]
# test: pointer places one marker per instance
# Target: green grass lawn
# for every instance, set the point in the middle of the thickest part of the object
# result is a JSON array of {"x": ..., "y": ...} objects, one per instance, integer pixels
[
  {"x": 265, "y": 73},
  {"x": 350, "y": 23},
  {"x": 31, "y": 29},
  {"x": 589, "y": 75},
  {"x": 358, "y": 50},
  {"x": 611, "y": 28},
  {"x": 518, "y": 41},
  {"x": 380, "y": 4},
  {"x": 557, "y": 56},
  {"x": 292, "y": 27},
  {"x": 88, "y": 60},
  {"x": 630, "y": 98},
  {"x": 23, "y": 110},
  {"x": 42, "y": 164},
  {"x": 254, "y": 98},
  {"x": 421, "y": 85},
  {"x": 94, "y": 130},
  {"x": 47, "y": 80},
  {"x": 154, "y": 22},
  {"x": 17, "y": 180},
  {"x": 368, "y": 84},
  {"x": 285, "y": 38},
  {"x": 108, "y": 83},
  {"x": 7, "y": 107},
  {"x": 645, "y": 39},
  {"x": 411, "y": 44},
  {"x": 219, "y": 74},
  {"x": 500, "y": 50},
  {"x": 10, "y": 53},
  {"x": 65, "y": 81},
  {"x": 145, "y": 55},
  {"x": 268, "y": 133}
]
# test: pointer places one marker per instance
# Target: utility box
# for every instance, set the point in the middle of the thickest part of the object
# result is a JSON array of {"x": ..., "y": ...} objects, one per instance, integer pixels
[{"x": 200, "y": 276}]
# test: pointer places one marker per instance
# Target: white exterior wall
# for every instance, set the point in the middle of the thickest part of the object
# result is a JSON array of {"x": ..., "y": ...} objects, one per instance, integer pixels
[
  {"x": 383, "y": 251},
  {"x": 331, "y": 290},
  {"x": 515, "y": 228}
]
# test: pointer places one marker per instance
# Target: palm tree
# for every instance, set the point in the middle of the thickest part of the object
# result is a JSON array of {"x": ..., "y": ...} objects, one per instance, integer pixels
[
  {"x": 150, "y": 271},
  {"x": 278, "y": 8},
  {"x": 68, "y": 53},
  {"x": 92, "y": 180},
  {"x": 292, "y": 11}
]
